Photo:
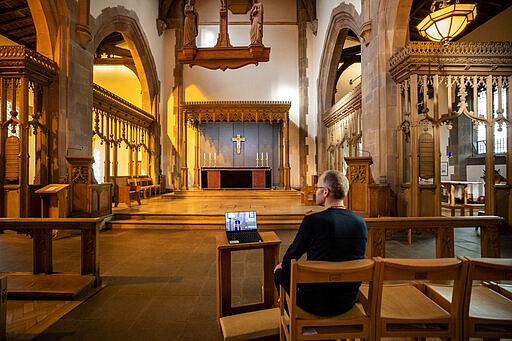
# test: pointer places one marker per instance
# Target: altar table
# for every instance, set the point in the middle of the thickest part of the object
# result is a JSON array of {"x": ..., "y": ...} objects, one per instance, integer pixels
[{"x": 236, "y": 177}]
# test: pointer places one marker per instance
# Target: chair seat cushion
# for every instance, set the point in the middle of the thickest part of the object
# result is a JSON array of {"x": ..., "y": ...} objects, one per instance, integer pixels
[{"x": 254, "y": 324}]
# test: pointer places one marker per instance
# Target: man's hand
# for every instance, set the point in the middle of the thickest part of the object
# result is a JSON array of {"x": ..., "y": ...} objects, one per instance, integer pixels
[{"x": 278, "y": 266}]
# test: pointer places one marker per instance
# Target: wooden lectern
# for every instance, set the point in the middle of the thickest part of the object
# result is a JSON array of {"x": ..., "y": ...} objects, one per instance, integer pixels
[
  {"x": 366, "y": 197},
  {"x": 54, "y": 200}
]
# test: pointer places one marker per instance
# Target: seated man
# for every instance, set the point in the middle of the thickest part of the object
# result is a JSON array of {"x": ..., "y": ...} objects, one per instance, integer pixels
[{"x": 334, "y": 234}]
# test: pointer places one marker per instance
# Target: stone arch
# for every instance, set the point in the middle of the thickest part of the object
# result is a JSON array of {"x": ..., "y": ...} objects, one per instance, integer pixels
[
  {"x": 48, "y": 24},
  {"x": 119, "y": 19},
  {"x": 397, "y": 13},
  {"x": 343, "y": 18}
]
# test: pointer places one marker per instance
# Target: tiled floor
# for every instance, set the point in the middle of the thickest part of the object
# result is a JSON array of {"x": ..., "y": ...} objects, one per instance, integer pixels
[{"x": 160, "y": 284}]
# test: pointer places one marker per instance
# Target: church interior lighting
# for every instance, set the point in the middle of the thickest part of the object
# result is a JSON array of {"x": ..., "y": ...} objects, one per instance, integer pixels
[{"x": 446, "y": 20}]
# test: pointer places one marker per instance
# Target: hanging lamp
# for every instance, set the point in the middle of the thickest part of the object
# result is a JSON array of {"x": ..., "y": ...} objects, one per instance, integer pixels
[{"x": 446, "y": 20}]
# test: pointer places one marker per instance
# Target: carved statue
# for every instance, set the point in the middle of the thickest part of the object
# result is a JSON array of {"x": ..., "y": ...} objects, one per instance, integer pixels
[
  {"x": 256, "y": 15},
  {"x": 190, "y": 26}
]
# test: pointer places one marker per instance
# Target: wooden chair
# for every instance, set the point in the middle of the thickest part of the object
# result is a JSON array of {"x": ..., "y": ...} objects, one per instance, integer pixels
[
  {"x": 404, "y": 308},
  {"x": 488, "y": 303},
  {"x": 297, "y": 324},
  {"x": 125, "y": 192}
]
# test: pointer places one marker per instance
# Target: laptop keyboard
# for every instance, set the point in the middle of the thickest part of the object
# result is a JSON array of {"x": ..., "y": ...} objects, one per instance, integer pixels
[{"x": 248, "y": 236}]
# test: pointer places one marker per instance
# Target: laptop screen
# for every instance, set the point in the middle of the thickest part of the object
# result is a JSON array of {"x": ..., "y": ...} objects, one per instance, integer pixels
[{"x": 240, "y": 221}]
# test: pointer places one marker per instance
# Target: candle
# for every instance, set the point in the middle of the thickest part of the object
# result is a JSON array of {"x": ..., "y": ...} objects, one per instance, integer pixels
[{"x": 266, "y": 155}]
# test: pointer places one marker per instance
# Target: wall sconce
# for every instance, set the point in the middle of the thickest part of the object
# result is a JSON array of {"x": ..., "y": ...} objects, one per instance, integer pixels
[{"x": 446, "y": 21}]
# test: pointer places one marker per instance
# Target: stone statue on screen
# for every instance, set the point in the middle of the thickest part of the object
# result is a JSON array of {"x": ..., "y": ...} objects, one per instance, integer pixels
[
  {"x": 190, "y": 26},
  {"x": 256, "y": 15}
]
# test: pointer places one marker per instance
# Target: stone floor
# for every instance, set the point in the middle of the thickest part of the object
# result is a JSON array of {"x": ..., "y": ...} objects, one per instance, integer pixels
[{"x": 160, "y": 284}]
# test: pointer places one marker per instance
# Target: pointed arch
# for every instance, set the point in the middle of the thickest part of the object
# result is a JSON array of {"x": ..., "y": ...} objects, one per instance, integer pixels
[
  {"x": 126, "y": 22},
  {"x": 343, "y": 18},
  {"x": 402, "y": 10},
  {"x": 48, "y": 24}
]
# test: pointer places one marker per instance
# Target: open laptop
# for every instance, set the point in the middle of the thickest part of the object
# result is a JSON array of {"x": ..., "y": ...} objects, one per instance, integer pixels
[{"x": 241, "y": 227}]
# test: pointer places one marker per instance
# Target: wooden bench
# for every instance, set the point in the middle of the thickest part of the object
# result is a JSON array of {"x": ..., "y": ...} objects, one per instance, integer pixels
[
  {"x": 472, "y": 207},
  {"x": 146, "y": 185},
  {"x": 453, "y": 208},
  {"x": 41, "y": 231},
  {"x": 251, "y": 325},
  {"x": 125, "y": 192},
  {"x": 442, "y": 227}
]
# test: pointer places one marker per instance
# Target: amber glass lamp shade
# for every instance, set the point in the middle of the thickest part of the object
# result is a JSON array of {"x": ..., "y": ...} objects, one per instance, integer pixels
[{"x": 445, "y": 23}]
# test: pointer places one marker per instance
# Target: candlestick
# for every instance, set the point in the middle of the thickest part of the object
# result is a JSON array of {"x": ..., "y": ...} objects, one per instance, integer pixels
[{"x": 257, "y": 160}]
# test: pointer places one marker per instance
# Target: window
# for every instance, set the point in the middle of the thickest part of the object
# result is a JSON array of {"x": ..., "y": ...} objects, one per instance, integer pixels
[{"x": 500, "y": 133}]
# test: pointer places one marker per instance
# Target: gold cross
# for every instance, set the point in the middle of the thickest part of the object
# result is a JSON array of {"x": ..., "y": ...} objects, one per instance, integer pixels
[{"x": 238, "y": 139}]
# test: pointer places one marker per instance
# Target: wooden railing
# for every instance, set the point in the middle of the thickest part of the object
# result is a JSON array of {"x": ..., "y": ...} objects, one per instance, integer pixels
[
  {"x": 41, "y": 230},
  {"x": 442, "y": 227}
]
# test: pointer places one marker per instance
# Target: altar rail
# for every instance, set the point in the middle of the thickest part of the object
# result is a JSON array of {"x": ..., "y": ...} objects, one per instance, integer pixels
[
  {"x": 41, "y": 230},
  {"x": 442, "y": 227}
]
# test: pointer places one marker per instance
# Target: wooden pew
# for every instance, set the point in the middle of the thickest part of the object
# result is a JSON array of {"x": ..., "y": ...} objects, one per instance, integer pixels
[
  {"x": 124, "y": 191},
  {"x": 442, "y": 227},
  {"x": 146, "y": 185}
]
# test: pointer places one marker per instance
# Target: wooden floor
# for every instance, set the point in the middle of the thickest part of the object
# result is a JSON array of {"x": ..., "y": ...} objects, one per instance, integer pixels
[{"x": 159, "y": 283}]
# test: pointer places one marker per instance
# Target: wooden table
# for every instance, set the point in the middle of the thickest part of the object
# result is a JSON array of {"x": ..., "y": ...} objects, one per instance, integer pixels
[
  {"x": 270, "y": 246},
  {"x": 451, "y": 192},
  {"x": 236, "y": 177}
]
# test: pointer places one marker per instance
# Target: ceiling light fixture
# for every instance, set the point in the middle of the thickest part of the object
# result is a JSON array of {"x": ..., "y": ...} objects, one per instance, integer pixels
[{"x": 446, "y": 20}]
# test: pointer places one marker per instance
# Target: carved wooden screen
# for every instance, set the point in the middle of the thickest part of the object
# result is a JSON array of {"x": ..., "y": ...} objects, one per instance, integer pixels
[{"x": 12, "y": 160}]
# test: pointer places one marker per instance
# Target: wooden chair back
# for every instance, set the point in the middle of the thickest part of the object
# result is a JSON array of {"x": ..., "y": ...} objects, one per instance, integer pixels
[
  {"x": 403, "y": 307},
  {"x": 488, "y": 303},
  {"x": 297, "y": 324}
]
